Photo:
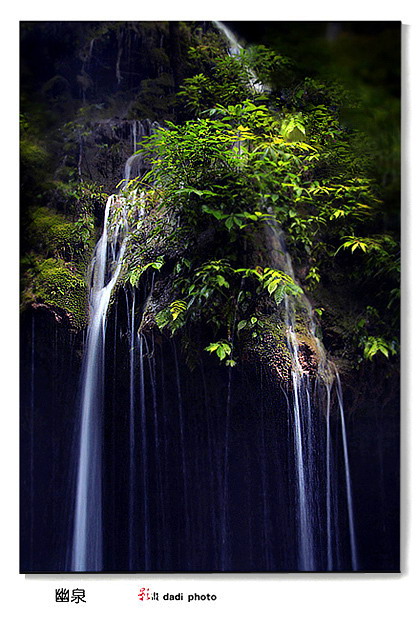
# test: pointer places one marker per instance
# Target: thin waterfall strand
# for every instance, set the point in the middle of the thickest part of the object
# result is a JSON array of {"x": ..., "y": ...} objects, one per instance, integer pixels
[
  {"x": 132, "y": 545},
  {"x": 328, "y": 484},
  {"x": 144, "y": 448},
  {"x": 353, "y": 548}
]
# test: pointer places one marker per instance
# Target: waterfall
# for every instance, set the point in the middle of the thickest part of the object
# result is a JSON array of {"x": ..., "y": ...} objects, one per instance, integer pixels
[
  {"x": 132, "y": 545},
  {"x": 134, "y": 132},
  {"x": 235, "y": 49},
  {"x": 144, "y": 454},
  {"x": 135, "y": 165},
  {"x": 349, "y": 495},
  {"x": 187, "y": 535},
  {"x": 306, "y": 545},
  {"x": 310, "y": 443},
  {"x": 157, "y": 439},
  {"x": 328, "y": 481},
  {"x": 306, "y": 432},
  {"x": 301, "y": 415},
  {"x": 302, "y": 410},
  {"x": 119, "y": 55},
  {"x": 105, "y": 268},
  {"x": 155, "y": 465}
]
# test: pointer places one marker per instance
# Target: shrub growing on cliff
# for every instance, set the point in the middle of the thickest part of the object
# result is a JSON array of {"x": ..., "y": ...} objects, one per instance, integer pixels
[{"x": 241, "y": 165}]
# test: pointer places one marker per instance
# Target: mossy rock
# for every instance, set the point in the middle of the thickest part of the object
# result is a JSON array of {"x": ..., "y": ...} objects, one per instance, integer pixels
[
  {"x": 271, "y": 346},
  {"x": 53, "y": 283},
  {"x": 53, "y": 234}
]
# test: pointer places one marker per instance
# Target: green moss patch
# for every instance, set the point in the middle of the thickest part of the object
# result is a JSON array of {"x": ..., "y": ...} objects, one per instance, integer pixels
[{"x": 52, "y": 282}]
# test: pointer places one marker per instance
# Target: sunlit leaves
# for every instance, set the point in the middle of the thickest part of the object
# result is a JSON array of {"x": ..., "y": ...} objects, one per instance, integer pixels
[
  {"x": 136, "y": 273},
  {"x": 222, "y": 349},
  {"x": 172, "y": 316},
  {"x": 253, "y": 324},
  {"x": 244, "y": 133},
  {"x": 366, "y": 245},
  {"x": 246, "y": 163},
  {"x": 239, "y": 219},
  {"x": 177, "y": 307},
  {"x": 277, "y": 283},
  {"x": 374, "y": 345},
  {"x": 313, "y": 277},
  {"x": 292, "y": 127}
]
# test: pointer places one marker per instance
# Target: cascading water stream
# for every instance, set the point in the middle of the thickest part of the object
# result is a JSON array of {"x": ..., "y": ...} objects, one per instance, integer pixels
[
  {"x": 315, "y": 507},
  {"x": 87, "y": 536},
  {"x": 307, "y": 440},
  {"x": 183, "y": 456},
  {"x": 306, "y": 546},
  {"x": 135, "y": 166},
  {"x": 235, "y": 49},
  {"x": 132, "y": 545},
  {"x": 328, "y": 481},
  {"x": 349, "y": 495},
  {"x": 105, "y": 269},
  {"x": 156, "y": 432},
  {"x": 234, "y": 46},
  {"x": 302, "y": 412},
  {"x": 144, "y": 454}
]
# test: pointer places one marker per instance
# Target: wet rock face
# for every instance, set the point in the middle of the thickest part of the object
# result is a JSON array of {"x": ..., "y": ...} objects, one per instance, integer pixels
[
  {"x": 273, "y": 351},
  {"x": 308, "y": 359},
  {"x": 159, "y": 298},
  {"x": 274, "y": 354},
  {"x": 106, "y": 148}
]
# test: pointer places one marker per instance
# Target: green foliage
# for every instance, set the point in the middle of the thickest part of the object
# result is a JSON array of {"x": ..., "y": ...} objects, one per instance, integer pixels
[
  {"x": 33, "y": 155},
  {"x": 293, "y": 129},
  {"x": 226, "y": 83},
  {"x": 54, "y": 283},
  {"x": 172, "y": 317},
  {"x": 367, "y": 245},
  {"x": 251, "y": 159},
  {"x": 35, "y": 161},
  {"x": 277, "y": 283},
  {"x": 62, "y": 245},
  {"x": 374, "y": 345},
  {"x": 155, "y": 98},
  {"x": 240, "y": 219},
  {"x": 135, "y": 274},
  {"x": 83, "y": 197},
  {"x": 253, "y": 325},
  {"x": 244, "y": 164},
  {"x": 205, "y": 285},
  {"x": 222, "y": 349},
  {"x": 313, "y": 277},
  {"x": 54, "y": 235},
  {"x": 268, "y": 65}
]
